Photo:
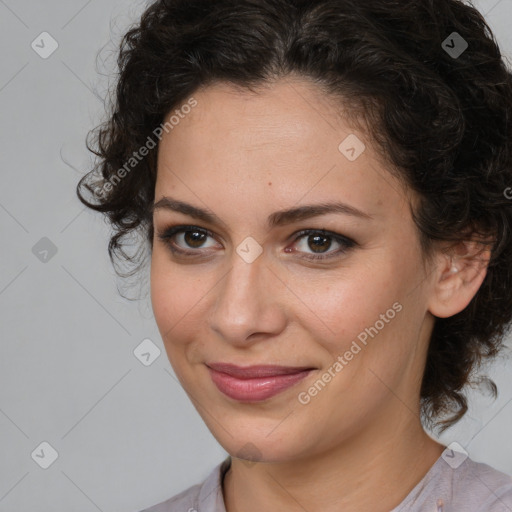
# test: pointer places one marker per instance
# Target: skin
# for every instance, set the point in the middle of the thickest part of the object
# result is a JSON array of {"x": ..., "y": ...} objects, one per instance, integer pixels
[{"x": 358, "y": 444}]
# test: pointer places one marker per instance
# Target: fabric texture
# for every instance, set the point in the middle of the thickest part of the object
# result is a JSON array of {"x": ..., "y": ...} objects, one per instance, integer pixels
[{"x": 455, "y": 483}]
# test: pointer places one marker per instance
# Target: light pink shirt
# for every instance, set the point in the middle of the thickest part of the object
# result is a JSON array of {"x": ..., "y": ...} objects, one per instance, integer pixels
[{"x": 453, "y": 484}]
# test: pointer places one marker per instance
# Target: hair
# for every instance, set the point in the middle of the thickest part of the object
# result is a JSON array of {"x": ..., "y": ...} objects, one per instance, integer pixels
[{"x": 441, "y": 121}]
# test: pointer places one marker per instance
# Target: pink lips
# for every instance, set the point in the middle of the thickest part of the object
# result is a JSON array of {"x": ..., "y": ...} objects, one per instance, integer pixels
[{"x": 254, "y": 383}]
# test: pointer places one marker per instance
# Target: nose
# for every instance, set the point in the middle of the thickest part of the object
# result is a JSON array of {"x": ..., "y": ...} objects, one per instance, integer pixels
[{"x": 247, "y": 306}]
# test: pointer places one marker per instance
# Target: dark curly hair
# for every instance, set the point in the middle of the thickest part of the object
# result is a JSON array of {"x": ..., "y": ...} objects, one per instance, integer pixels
[{"x": 442, "y": 121}]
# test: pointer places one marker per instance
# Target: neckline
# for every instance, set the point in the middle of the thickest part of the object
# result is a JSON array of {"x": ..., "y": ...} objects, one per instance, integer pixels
[
  {"x": 416, "y": 490},
  {"x": 225, "y": 466}
]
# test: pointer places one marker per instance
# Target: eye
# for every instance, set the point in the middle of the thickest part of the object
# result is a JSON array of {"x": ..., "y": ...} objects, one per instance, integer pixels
[
  {"x": 190, "y": 241},
  {"x": 181, "y": 238},
  {"x": 320, "y": 241}
]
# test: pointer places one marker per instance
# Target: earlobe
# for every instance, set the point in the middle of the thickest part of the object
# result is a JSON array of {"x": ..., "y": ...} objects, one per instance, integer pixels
[{"x": 461, "y": 273}]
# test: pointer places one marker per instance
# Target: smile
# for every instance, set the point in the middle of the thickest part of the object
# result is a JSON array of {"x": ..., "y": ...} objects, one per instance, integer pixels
[{"x": 256, "y": 383}]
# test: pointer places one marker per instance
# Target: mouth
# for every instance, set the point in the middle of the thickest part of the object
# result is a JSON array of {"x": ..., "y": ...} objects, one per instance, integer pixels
[{"x": 255, "y": 383}]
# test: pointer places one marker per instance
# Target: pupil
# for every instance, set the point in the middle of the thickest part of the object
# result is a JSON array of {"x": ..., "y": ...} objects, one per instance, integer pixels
[
  {"x": 196, "y": 240},
  {"x": 317, "y": 245}
]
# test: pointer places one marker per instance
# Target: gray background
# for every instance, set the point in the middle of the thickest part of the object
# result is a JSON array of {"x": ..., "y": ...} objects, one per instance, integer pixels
[{"x": 126, "y": 434}]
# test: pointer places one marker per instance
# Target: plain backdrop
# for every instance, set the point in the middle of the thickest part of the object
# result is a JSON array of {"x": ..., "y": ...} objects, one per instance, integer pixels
[{"x": 125, "y": 435}]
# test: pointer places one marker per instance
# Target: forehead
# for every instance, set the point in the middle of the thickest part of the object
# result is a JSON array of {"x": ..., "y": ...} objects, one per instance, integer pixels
[
  {"x": 284, "y": 142},
  {"x": 273, "y": 113}
]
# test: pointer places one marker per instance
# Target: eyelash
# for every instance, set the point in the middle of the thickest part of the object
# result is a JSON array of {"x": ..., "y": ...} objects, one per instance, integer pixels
[{"x": 167, "y": 235}]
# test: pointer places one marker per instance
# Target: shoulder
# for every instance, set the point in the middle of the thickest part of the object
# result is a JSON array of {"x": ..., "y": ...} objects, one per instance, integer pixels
[
  {"x": 457, "y": 483},
  {"x": 480, "y": 487},
  {"x": 185, "y": 501},
  {"x": 206, "y": 496}
]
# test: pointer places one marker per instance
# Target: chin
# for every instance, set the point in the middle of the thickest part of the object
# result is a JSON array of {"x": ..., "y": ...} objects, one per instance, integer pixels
[{"x": 257, "y": 445}]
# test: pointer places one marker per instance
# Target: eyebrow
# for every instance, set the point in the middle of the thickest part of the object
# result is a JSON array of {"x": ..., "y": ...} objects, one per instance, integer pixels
[{"x": 279, "y": 218}]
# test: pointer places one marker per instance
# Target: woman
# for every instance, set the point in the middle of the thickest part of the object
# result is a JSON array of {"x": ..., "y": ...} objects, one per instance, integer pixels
[{"x": 322, "y": 189}]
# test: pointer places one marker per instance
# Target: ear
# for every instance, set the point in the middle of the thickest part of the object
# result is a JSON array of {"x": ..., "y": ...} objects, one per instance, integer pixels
[{"x": 460, "y": 271}]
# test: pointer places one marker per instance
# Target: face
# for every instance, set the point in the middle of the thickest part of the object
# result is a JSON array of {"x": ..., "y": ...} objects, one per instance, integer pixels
[{"x": 342, "y": 292}]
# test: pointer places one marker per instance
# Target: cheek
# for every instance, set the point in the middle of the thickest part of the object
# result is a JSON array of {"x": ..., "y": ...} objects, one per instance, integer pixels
[
  {"x": 175, "y": 297},
  {"x": 340, "y": 308},
  {"x": 368, "y": 319}
]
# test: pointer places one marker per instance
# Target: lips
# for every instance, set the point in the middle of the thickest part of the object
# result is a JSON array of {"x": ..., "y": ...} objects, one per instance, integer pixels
[
  {"x": 252, "y": 372},
  {"x": 255, "y": 383}
]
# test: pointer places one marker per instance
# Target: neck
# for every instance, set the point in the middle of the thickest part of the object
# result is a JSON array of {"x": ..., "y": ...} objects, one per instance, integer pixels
[{"x": 374, "y": 470}]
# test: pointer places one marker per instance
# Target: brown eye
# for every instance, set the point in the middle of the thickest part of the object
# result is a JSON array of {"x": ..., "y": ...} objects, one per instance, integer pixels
[
  {"x": 319, "y": 242},
  {"x": 194, "y": 238},
  {"x": 186, "y": 240}
]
